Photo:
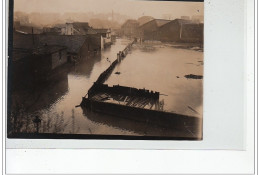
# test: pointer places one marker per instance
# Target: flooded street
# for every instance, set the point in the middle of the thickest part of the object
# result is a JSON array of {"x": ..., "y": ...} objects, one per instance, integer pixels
[{"x": 158, "y": 68}]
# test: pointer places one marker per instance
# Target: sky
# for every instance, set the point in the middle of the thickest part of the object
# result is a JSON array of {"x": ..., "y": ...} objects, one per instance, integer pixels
[{"x": 131, "y": 8}]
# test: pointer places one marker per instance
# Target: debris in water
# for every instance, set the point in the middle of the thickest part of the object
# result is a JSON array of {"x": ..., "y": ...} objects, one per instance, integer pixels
[{"x": 192, "y": 76}]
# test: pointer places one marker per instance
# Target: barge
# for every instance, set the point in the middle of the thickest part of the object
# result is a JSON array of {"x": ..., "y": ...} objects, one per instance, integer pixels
[{"x": 136, "y": 104}]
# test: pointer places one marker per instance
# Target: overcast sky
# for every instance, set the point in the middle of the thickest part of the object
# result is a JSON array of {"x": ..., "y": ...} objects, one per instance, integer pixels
[{"x": 132, "y": 8}]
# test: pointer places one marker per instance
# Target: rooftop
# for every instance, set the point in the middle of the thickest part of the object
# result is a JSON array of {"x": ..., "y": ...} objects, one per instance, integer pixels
[
  {"x": 158, "y": 22},
  {"x": 83, "y": 28},
  {"x": 47, "y": 49},
  {"x": 161, "y": 22},
  {"x": 101, "y": 30},
  {"x": 179, "y": 21},
  {"x": 20, "y": 53}
]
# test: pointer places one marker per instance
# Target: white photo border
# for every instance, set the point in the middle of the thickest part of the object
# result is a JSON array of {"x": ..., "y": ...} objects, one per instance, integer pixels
[{"x": 76, "y": 161}]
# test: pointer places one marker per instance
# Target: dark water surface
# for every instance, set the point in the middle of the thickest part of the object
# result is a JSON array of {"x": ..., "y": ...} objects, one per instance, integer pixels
[{"x": 159, "y": 67}]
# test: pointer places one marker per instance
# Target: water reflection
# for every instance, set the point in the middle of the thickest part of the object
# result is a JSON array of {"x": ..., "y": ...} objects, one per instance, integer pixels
[
  {"x": 40, "y": 95},
  {"x": 141, "y": 128},
  {"x": 85, "y": 66}
]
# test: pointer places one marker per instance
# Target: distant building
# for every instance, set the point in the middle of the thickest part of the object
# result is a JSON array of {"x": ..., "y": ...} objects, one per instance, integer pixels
[
  {"x": 52, "y": 30},
  {"x": 83, "y": 29},
  {"x": 144, "y": 19},
  {"x": 130, "y": 28},
  {"x": 26, "y": 29},
  {"x": 146, "y": 31},
  {"x": 22, "y": 18},
  {"x": 198, "y": 18},
  {"x": 180, "y": 30},
  {"x": 185, "y": 17},
  {"x": 77, "y": 28}
]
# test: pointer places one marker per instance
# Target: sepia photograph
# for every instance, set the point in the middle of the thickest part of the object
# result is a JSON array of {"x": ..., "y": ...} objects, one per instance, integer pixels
[{"x": 105, "y": 69}]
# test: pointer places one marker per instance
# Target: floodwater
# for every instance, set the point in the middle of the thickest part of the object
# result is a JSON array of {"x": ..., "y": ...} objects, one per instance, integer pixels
[
  {"x": 162, "y": 68},
  {"x": 158, "y": 67}
]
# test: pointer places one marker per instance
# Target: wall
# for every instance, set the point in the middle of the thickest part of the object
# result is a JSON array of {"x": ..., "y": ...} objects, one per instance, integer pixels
[
  {"x": 174, "y": 32},
  {"x": 25, "y": 41},
  {"x": 69, "y": 29},
  {"x": 130, "y": 29},
  {"x": 102, "y": 42},
  {"x": 107, "y": 40},
  {"x": 147, "y": 30},
  {"x": 59, "y": 58},
  {"x": 160, "y": 118},
  {"x": 74, "y": 43},
  {"x": 169, "y": 32},
  {"x": 91, "y": 46},
  {"x": 192, "y": 33}
]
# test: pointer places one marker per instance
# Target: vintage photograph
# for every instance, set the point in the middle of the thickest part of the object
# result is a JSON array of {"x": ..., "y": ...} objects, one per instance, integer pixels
[{"x": 105, "y": 69}]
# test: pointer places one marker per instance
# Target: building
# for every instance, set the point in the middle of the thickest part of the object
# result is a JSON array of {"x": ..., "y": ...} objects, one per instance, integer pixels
[
  {"x": 193, "y": 33},
  {"x": 22, "y": 40},
  {"x": 26, "y": 29},
  {"x": 146, "y": 31},
  {"x": 144, "y": 19},
  {"x": 185, "y": 17},
  {"x": 77, "y": 45},
  {"x": 53, "y": 55},
  {"x": 52, "y": 30},
  {"x": 130, "y": 28},
  {"x": 36, "y": 65},
  {"x": 77, "y": 28},
  {"x": 105, "y": 37},
  {"x": 180, "y": 30},
  {"x": 198, "y": 18}
]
